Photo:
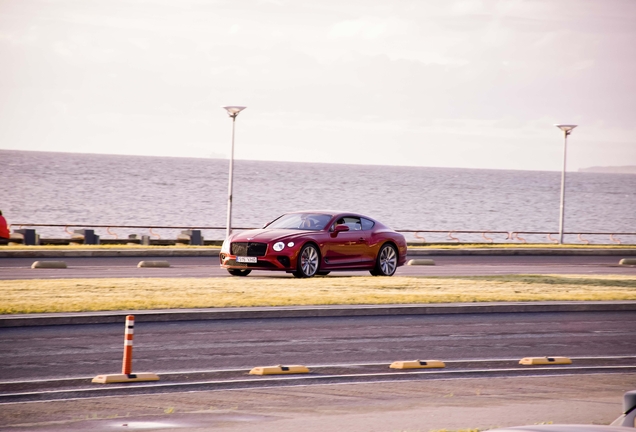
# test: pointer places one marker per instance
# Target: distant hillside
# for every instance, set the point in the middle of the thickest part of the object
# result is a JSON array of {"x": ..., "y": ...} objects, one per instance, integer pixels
[{"x": 628, "y": 169}]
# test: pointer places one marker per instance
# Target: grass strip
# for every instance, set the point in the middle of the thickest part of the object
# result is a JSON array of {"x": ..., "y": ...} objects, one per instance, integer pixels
[{"x": 80, "y": 295}]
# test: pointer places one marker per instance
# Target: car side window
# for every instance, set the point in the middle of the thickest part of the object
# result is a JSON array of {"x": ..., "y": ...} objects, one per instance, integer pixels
[
  {"x": 352, "y": 222},
  {"x": 366, "y": 224}
]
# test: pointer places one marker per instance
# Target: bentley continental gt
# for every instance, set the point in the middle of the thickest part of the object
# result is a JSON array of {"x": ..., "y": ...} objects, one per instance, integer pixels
[{"x": 314, "y": 243}]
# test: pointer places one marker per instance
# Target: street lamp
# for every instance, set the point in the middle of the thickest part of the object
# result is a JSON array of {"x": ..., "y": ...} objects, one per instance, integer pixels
[
  {"x": 232, "y": 111},
  {"x": 567, "y": 130}
]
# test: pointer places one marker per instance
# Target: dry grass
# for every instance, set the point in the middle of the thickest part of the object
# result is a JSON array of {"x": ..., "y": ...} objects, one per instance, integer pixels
[{"x": 75, "y": 295}]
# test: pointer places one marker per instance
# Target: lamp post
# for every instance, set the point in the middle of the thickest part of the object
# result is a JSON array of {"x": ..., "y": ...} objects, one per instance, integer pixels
[
  {"x": 232, "y": 111},
  {"x": 567, "y": 130}
]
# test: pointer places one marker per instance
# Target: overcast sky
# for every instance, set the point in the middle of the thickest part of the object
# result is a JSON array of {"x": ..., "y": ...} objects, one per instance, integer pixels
[{"x": 476, "y": 84}]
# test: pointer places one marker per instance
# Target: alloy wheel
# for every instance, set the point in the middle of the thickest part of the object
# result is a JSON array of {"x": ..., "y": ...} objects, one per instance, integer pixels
[
  {"x": 388, "y": 260},
  {"x": 309, "y": 261}
]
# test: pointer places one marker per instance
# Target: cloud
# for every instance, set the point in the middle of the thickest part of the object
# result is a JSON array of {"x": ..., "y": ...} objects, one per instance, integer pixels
[
  {"x": 366, "y": 28},
  {"x": 384, "y": 81}
]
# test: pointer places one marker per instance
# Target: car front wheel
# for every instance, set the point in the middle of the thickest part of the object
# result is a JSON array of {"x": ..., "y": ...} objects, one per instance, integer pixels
[
  {"x": 386, "y": 261},
  {"x": 308, "y": 260}
]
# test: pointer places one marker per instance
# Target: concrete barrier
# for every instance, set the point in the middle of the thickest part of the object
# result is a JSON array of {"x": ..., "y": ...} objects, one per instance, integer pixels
[
  {"x": 87, "y": 236},
  {"x": 420, "y": 261},
  {"x": 133, "y": 239},
  {"x": 25, "y": 236},
  {"x": 627, "y": 261},
  {"x": 190, "y": 237},
  {"x": 48, "y": 264},
  {"x": 153, "y": 264}
]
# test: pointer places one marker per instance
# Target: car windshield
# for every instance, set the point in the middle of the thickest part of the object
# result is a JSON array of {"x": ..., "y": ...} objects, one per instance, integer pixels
[{"x": 302, "y": 221}]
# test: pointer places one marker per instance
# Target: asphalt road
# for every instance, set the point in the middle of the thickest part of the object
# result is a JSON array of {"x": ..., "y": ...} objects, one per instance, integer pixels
[
  {"x": 89, "y": 350},
  {"x": 99, "y": 267}
]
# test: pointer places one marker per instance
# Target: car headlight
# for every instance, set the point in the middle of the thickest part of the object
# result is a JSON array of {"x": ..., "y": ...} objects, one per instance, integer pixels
[
  {"x": 279, "y": 246},
  {"x": 225, "y": 247}
]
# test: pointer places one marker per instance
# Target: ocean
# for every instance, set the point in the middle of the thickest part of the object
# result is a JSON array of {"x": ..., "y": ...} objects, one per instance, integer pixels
[{"x": 85, "y": 189}]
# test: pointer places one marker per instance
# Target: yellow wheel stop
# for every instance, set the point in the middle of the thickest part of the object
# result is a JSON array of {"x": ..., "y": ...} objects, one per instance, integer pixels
[
  {"x": 279, "y": 370},
  {"x": 531, "y": 361},
  {"x": 417, "y": 364},
  {"x": 124, "y": 378}
]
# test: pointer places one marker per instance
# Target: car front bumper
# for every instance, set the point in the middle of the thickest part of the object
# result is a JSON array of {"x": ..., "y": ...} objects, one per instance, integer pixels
[{"x": 277, "y": 261}]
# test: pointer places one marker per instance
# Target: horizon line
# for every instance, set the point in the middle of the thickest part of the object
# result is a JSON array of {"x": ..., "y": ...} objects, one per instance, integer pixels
[{"x": 306, "y": 162}]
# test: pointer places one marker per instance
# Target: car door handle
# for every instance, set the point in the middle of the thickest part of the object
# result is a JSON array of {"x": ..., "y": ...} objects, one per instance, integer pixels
[{"x": 362, "y": 240}]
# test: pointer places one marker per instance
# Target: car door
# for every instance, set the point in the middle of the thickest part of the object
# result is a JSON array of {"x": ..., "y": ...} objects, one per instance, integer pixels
[
  {"x": 347, "y": 248},
  {"x": 366, "y": 238}
]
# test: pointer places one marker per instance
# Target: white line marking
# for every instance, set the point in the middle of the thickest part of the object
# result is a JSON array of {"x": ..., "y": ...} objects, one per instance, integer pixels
[{"x": 314, "y": 377}]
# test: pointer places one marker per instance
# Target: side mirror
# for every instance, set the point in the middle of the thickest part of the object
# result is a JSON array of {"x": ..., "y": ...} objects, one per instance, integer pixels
[{"x": 340, "y": 228}]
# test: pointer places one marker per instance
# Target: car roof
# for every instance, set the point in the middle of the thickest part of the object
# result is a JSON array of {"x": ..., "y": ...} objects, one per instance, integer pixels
[{"x": 331, "y": 212}]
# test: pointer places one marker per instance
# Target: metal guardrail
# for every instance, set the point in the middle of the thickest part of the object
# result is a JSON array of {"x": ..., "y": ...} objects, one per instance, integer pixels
[
  {"x": 420, "y": 235},
  {"x": 516, "y": 235},
  {"x": 150, "y": 228}
]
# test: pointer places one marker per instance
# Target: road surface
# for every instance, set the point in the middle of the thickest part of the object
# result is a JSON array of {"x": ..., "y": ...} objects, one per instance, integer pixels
[
  {"x": 467, "y": 265},
  {"x": 89, "y": 350}
]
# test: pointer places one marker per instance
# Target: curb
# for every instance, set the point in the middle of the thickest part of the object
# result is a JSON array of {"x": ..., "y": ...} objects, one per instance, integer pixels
[
  {"x": 214, "y": 252},
  {"x": 172, "y": 315}
]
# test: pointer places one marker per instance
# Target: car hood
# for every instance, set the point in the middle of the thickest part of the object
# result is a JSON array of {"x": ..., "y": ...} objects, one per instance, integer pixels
[{"x": 269, "y": 235}]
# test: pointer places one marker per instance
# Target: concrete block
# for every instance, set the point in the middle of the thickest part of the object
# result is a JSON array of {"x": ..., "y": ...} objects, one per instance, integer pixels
[
  {"x": 420, "y": 261},
  {"x": 153, "y": 264},
  {"x": 88, "y": 235},
  {"x": 48, "y": 264},
  {"x": 28, "y": 236},
  {"x": 133, "y": 239},
  {"x": 627, "y": 261},
  {"x": 191, "y": 237}
]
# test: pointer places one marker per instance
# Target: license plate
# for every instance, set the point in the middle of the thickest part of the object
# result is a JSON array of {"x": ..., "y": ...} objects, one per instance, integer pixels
[{"x": 240, "y": 259}]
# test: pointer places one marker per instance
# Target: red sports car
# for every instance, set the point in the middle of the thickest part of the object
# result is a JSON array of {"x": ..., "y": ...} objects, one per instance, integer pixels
[{"x": 309, "y": 243}]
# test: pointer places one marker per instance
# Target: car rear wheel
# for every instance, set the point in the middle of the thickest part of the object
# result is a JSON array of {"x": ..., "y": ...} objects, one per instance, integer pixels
[
  {"x": 239, "y": 272},
  {"x": 386, "y": 262},
  {"x": 308, "y": 260}
]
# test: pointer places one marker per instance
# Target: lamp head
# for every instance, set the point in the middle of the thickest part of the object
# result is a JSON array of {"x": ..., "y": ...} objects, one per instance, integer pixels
[
  {"x": 233, "y": 111},
  {"x": 567, "y": 128}
]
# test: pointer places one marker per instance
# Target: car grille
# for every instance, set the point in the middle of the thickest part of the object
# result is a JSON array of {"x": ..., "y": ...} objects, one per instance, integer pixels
[{"x": 249, "y": 249}]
